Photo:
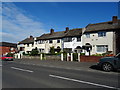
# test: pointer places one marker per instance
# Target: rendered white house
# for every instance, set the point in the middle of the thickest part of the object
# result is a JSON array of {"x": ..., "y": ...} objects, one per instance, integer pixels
[
  {"x": 72, "y": 40},
  {"x": 26, "y": 45},
  {"x": 95, "y": 38},
  {"x": 46, "y": 41},
  {"x": 101, "y": 36}
]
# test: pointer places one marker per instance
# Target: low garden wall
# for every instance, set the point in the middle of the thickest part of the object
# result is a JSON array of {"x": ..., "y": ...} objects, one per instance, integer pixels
[
  {"x": 31, "y": 57},
  {"x": 47, "y": 57},
  {"x": 57, "y": 57},
  {"x": 90, "y": 58},
  {"x": 53, "y": 57}
]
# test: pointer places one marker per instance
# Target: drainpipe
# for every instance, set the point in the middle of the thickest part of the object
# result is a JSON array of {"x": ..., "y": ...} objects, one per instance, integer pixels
[{"x": 114, "y": 42}]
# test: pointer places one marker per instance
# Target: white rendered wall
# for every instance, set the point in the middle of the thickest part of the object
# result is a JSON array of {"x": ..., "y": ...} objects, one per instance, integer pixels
[
  {"x": 73, "y": 44},
  {"x": 94, "y": 40}
]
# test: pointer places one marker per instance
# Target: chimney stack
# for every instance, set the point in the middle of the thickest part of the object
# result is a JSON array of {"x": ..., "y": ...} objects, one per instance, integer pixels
[
  {"x": 115, "y": 19},
  {"x": 67, "y": 29},
  {"x": 31, "y": 36},
  {"x": 51, "y": 31}
]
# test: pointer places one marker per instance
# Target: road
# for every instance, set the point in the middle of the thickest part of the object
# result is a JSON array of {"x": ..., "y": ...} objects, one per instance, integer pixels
[{"x": 19, "y": 75}]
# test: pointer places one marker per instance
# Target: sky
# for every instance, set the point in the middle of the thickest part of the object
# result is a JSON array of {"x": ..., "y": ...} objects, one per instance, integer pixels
[{"x": 22, "y": 19}]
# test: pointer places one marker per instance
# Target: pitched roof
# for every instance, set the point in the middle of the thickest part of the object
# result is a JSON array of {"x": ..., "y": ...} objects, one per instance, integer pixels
[
  {"x": 27, "y": 41},
  {"x": 7, "y": 44},
  {"x": 52, "y": 36},
  {"x": 102, "y": 26},
  {"x": 74, "y": 32},
  {"x": 61, "y": 34}
]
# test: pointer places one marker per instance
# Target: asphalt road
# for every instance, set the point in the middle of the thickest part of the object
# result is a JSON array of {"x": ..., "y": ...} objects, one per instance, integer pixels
[{"x": 18, "y": 75}]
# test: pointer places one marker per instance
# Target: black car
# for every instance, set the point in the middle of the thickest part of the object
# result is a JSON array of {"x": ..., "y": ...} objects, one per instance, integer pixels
[{"x": 110, "y": 63}]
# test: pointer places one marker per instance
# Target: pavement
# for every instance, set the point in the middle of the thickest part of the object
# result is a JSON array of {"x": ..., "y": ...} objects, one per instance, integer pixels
[{"x": 55, "y": 74}]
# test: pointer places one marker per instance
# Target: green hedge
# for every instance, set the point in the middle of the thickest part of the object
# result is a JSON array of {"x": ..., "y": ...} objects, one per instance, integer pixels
[{"x": 75, "y": 56}]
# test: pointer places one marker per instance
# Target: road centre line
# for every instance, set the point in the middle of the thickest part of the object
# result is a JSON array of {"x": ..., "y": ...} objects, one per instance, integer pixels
[
  {"x": 80, "y": 81},
  {"x": 22, "y": 69}
]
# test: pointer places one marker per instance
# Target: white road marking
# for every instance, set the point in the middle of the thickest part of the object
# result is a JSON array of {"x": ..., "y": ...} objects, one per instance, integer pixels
[
  {"x": 85, "y": 82},
  {"x": 22, "y": 69}
]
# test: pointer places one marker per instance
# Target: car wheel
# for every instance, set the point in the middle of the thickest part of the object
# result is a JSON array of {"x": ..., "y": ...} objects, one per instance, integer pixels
[{"x": 107, "y": 67}]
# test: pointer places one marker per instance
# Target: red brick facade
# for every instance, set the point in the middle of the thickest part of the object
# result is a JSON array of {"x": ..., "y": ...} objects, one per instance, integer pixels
[{"x": 4, "y": 50}]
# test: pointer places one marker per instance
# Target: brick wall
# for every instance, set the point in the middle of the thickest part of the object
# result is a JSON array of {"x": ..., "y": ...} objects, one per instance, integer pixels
[
  {"x": 90, "y": 58},
  {"x": 4, "y": 50}
]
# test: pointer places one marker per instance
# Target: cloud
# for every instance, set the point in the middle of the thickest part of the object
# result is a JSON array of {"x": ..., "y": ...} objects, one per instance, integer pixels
[{"x": 17, "y": 24}]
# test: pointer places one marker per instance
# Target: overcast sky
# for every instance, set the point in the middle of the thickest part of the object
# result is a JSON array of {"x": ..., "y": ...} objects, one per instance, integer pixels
[{"x": 22, "y": 19}]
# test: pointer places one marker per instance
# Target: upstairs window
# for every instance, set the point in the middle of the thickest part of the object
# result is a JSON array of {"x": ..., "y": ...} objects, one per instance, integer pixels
[
  {"x": 78, "y": 39},
  {"x": 27, "y": 45},
  {"x": 50, "y": 41},
  {"x": 87, "y": 35},
  {"x": 101, "y": 34},
  {"x": 41, "y": 41},
  {"x": 68, "y": 39},
  {"x": 32, "y": 45},
  {"x": 58, "y": 41}
]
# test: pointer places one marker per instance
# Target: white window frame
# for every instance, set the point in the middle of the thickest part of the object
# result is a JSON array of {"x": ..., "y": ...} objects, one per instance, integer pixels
[
  {"x": 102, "y": 34},
  {"x": 87, "y": 35},
  {"x": 102, "y": 48}
]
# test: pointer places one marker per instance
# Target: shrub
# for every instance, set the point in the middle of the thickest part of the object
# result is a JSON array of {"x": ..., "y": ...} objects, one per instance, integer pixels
[
  {"x": 52, "y": 50},
  {"x": 65, "y": 56},
  {"x": 107, "y": 53},
  {"x": 10, "y": 54},
  {"x": 75, "y": 56},
  {"x": 97, "y": 54},
  {"x": 82, "y": 54},
  {"x": 34, "y": 52},
  {"x": 23, "y": 53}
]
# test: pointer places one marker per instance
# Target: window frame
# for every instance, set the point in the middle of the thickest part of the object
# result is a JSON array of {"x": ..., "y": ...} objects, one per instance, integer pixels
[
  {"x": 78, "y": 39},
  {"x": 102, "y": 34},
  {"x": 87, "y": 35},
  {"x": 68, "y": 39},
  {"x": 50, "y": 41},
  {"x": 102, "y": 48},
  {"x": 58, "y": 41}
]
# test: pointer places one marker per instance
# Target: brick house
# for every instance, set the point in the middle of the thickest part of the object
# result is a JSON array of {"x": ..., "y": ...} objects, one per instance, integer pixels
[{"x": 6, "y": 47}]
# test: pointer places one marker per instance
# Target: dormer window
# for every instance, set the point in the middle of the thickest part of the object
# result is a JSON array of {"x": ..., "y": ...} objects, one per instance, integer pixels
[{"x": 101, "y": 34}]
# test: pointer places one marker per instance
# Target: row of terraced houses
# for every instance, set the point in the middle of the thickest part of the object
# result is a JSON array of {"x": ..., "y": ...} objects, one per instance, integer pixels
[{"x": 94, "y": 38}]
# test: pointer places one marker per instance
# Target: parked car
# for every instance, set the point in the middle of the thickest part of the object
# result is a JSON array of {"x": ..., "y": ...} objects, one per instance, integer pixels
[
  {"x": 6, "y": 58},
  {"x": 110, "y": 63}
]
